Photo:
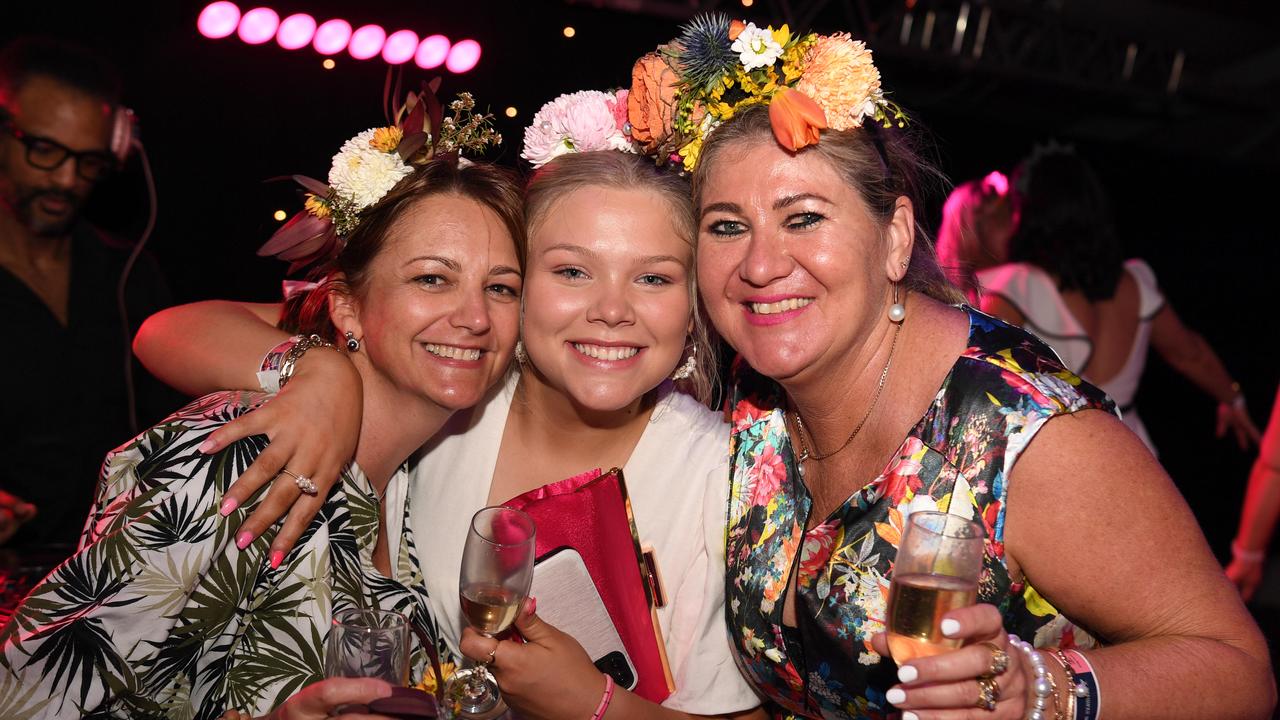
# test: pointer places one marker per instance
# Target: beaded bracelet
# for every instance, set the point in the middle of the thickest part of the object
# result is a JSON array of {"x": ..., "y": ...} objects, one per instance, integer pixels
[
  {"x": 1086, "y": 698},
  {"x": 605, "y": 698},
  {"x": 1042, "y": 686}
]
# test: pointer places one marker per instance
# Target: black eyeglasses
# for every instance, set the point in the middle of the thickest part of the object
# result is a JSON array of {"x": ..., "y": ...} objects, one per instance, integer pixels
[{"x": 47, "y": 154}]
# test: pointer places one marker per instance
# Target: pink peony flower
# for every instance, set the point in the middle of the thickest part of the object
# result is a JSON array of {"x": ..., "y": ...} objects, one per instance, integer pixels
[
  {"x": 576, "y": 122},
  {"x": 619, "y": 106}
]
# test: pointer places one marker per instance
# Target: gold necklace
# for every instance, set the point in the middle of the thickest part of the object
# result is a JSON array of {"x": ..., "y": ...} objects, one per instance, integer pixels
[{"x": 800, "y": 428}]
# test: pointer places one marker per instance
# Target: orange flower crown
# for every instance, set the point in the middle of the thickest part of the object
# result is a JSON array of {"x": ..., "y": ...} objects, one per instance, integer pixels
[{"x": 717, "y": 67}]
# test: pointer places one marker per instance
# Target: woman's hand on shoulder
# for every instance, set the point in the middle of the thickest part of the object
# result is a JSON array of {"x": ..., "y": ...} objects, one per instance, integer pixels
[
  {"x": 313, "y": 425},
  {"x": 948, "y": 685}
]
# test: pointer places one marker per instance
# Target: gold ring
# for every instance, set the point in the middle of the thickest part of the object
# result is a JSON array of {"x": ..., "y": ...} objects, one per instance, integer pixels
[
  {"x": 493, "y": 656},
  {"x": 999, "y": 659},
  {"x": 988, "y": 693}
]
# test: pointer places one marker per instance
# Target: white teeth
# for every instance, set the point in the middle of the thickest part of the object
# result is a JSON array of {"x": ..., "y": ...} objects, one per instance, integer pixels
[
  {"x": 600, "y": 352},
  {"x": 452, "y": 352},
  {"x": 780, "y": 306}
]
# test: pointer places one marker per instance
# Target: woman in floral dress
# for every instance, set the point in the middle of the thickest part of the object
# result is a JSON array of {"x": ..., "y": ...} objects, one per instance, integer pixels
[{"x": 165, "y": 611}]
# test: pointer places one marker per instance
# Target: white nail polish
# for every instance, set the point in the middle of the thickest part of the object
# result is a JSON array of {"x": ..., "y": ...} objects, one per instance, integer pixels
[
  {"x": 895, "y": 696},
  {"x": 908, "y": 673},
  {"x": 910, "y": 716},
  {"x": 949, "y": 627}
]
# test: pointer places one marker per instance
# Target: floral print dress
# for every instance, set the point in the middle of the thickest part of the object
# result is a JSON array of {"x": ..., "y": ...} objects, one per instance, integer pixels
[
  {"x": 956, "y": 459},
  {"x": 159, "y": 615}
]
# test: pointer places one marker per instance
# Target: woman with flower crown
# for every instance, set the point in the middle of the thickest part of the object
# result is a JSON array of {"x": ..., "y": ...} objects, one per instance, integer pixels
[
  {"x": 165, "y": 611},
  {"x": 865, "y": 391},
  {"x": 608, "y": 324}
]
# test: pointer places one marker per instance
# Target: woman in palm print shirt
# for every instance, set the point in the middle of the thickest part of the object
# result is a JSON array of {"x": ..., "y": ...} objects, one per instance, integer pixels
[{"x": 159, "y": 613}]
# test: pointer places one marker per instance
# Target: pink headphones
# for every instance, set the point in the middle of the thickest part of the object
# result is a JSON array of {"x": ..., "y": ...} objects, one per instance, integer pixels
[{"x": 124, "y": 132}]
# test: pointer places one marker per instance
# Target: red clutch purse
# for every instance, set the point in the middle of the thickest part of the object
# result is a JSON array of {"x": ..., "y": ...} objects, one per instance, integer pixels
[{"x": 591, "y": 514}]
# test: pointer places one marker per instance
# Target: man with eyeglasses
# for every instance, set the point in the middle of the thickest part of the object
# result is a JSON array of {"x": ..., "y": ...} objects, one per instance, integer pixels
[{"x": 66, "y": 399}]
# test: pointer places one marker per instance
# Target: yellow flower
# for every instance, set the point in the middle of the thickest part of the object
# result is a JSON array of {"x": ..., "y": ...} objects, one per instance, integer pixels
[
  {"x": 782, "y": 35},
  {"x": 839, "y": 75},
  {"x": 386, "y": 139},
  {"x": 317, "y": 206},
  {"x": 690, "y": 153},
  {"x": 428, "y": 682}
]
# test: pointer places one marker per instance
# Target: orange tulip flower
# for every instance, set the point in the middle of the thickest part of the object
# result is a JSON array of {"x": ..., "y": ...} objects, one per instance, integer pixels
[{"x": 796, "y": 119}]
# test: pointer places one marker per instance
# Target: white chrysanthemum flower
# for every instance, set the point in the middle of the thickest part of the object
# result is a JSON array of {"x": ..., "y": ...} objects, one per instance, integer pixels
[
  {"x": 363, "y": 175},
  {"x": 756, "y": 47},
  {"x": 576, "y": 122}
]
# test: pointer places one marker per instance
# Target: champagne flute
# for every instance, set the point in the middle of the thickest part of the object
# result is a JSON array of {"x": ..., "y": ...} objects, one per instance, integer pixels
[
  {"x": 367, "y": 642},
  {"x": 497, "y": 570},
  {"x": 936, "y": 571}
]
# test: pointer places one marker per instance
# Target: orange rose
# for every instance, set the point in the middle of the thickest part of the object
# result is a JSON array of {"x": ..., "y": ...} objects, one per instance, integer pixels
[
  {"x": 796, "y": 119},
  {"x": 651, "y": 104},
  {"x": 735, "y": 29}
]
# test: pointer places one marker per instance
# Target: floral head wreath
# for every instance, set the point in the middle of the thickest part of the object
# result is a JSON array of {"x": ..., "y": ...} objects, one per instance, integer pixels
[
  {"x": 718, "y": 67},
  {"x": 369, "y": 165}
]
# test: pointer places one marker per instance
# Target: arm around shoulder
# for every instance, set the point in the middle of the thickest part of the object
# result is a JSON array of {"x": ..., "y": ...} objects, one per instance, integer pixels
[
  {"x": 1099, "y": 529},
  {"x": 207, "y": 346}
]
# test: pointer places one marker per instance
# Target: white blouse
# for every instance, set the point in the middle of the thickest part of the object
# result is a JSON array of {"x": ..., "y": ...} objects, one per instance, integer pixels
[{"x": 677, "y": 480}]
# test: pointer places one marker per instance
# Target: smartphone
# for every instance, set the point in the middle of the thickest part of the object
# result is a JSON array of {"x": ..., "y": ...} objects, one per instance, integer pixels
[{"x": 568, "y": 599}]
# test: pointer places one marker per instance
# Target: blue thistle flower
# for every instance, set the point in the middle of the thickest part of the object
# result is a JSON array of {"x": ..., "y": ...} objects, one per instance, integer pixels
[{"x": 703, "y": 50}]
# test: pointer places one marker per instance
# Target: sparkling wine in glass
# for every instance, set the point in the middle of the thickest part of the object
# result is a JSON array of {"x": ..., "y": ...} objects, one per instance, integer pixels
[
  {"x": 939, "y": 560},
  {"x": 497, "y": 569},
  {"x": 365, "y": 642}
]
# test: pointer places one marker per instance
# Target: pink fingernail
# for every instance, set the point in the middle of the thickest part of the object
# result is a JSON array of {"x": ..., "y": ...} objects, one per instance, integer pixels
[
  {"x": 243, "y": 539},
  {"x": 228, "y": 505},
  {"x": 207, "y": 446},
  {"x": 277, "y": 556},
  {"x": 530, "y": 606}
]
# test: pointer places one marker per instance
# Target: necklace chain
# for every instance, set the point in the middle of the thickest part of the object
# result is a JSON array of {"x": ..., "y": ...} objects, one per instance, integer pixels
[{"x": 801, "y": 431}]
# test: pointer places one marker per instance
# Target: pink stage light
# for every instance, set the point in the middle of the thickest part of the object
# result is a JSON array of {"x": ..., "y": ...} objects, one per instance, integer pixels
[
  {"x": 258, "y": 25},
  {"x": 218, "y": 20},
  {"x": 367, "y": 42},
  {"x": 296, "y": 31},
  {"x": 463, "y": 56},
  {"x": 432, "y": 52},
  {"x": 332, "y": 37},
  {"x": 400, "y": 47}
]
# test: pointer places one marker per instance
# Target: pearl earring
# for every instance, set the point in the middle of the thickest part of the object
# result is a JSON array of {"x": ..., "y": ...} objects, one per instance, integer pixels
[
  {"x": 685, "y": 371},
  {"x": 353, "y": 345},
  {"x": 897, "y": 311}
]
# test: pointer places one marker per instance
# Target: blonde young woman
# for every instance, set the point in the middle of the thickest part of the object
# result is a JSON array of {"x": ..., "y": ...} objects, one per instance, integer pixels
[{"x": 608, "y": 318}]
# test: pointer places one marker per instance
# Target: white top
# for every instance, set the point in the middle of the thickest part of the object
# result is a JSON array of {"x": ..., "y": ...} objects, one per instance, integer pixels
[
  {"x": 678, "y": 483},
  {"x": 1033, "y": 292}
]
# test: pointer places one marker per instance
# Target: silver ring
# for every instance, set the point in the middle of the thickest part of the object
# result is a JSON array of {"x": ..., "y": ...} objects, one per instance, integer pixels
[{"x": 303, "y": 482}]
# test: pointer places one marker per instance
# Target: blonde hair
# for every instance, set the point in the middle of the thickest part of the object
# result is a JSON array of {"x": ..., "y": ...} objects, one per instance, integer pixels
[
  {"x": 612, "y": 169},
  {"x": 880, "y": 165}
]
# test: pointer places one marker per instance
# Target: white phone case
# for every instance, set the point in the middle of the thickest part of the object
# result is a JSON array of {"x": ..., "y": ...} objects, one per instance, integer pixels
[{"x": 568, "y": 599}]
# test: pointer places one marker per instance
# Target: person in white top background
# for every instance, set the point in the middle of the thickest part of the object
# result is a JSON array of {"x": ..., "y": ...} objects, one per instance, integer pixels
[
  {"x": 1069, "y": 283},
  {"x": 609, "y": 316}
]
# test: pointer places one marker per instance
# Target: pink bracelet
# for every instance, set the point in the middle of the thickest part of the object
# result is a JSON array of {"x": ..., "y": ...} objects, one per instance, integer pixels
[{"x": 604, "y": 699}]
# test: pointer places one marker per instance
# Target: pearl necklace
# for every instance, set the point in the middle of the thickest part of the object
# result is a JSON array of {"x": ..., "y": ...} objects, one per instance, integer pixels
[{"x": 805, "y": 454}]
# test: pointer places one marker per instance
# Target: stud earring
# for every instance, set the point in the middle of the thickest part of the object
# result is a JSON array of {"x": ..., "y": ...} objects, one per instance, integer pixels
[
  {"x": 897, "y": 311},
  {"x": 353, "y": 345},
  {"x": 522, "y": 357},
  {"x": 685, "y": 371}
]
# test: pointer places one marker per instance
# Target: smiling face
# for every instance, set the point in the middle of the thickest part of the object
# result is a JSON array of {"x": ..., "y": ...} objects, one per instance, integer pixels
[
  {"x": 792, "y": 268},
  {"x": 607, "y": 301},
  {"x": 438, "y": 310},
  {"x": 47, "y": 202}
]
